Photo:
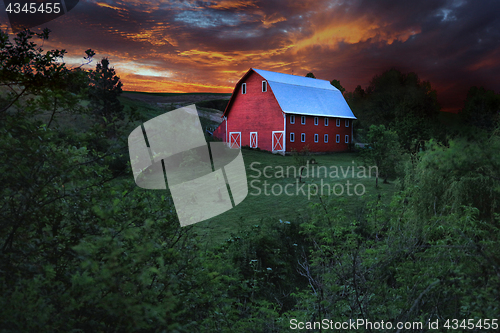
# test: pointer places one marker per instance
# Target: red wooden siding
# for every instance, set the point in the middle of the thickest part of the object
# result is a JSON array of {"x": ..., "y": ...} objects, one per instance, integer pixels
[
  {"x": 310, "y": 129},
  {"x": 255, "y": 111},
  {"x": 220, "y": 132}
]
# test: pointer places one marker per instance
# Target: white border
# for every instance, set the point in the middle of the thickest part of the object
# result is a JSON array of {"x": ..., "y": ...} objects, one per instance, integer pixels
[
  {"x": 283, "y": 138},
  {"x": 230, "y": 141},
  {"x": 256, "y": 139}
]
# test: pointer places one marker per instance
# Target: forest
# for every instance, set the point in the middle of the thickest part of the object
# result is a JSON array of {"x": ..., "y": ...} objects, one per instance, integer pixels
[{"x": 83, "y": 249}]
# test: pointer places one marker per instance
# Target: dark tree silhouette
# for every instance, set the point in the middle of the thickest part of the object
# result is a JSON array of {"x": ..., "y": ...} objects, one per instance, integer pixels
[{"x": 104, "y": 89}]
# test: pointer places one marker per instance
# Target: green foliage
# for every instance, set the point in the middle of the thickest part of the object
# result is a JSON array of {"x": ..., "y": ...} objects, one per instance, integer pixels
[
  {"x": 336, "y": 84},
  {"x": 80, "y": 250},
  {"x": 481, "y": 108},
  {"x": 384, "y": 151},
  {"x": 311, "y": 75},
  {"x": 84, "y": 250},
  {"x": 104, "y": 89},
  {"x": 402, "y": 103},
  {"x": 27, "y": 71}
]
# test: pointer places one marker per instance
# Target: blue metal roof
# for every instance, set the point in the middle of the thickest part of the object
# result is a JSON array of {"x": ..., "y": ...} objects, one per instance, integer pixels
[{"x": 306, "y": 96}]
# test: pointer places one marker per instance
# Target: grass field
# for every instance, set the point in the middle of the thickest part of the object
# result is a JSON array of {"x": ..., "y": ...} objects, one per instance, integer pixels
[
  {"x": 269, "y": 176},
  {"x": 268, "y": 179},
  {"x": 267, "y": 201}
]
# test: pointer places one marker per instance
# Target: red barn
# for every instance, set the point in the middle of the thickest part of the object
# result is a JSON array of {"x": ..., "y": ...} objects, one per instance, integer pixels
[{"x": 281, "y": 112}]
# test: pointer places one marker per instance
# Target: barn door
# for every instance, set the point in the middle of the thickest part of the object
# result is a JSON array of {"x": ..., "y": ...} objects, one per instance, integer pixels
[
  {"x": 253, "y": 139},
  {"x": 278, "y": 141},
  {"x": 234, "y": 139}
]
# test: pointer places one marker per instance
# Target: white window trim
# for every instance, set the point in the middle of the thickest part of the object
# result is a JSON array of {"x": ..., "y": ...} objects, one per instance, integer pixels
[
  {"x": 256, "y": 139},
  {"x": 316, "y": 138},
  {"x": 326, "y": 138},
  {"x": 292, "y": 137},
  {"x": 292, "y": 119},
  {"x": 347, "y": 123},
  {"x": 302, "y": 137},
  {"x": 264, "y": 86},
  {"x": 337, "y": 138},
  {"x": 338, "y": 122},
  {"x": 326, "y": 121},
  {"x": 347, "y": 139},
  {"x": 303, "y": 120},
  {"x": 316, "y": 121},
  {"x": 230, "y": 142},
  {"x": 243, "y": 88},
  {"x": 282, "y": 137}
]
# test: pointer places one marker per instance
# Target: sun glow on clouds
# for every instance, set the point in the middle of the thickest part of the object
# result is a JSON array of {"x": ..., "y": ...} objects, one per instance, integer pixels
[
  {"x": 142, "y": 69},
  {"x": 157, "y": 36},
  {"x": 227, "y": 59},
  {"x": 143, "y": 83},
  {"x": 232, "y": 4},
  {"x": 270, "y": 20},
  {"x": 103, "y": 4},
  {"x": 207, "y": 45},
  {"x": 352, "y": 33}
]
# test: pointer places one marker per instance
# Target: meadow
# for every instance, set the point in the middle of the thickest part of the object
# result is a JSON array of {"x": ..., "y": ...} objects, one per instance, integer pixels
[
  {"x": 276, "y": 193},
  {"x": 275, "y": 190}
]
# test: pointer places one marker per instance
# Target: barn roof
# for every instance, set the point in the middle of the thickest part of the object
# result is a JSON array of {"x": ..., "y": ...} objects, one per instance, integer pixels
[
  {"x": 303, "y": 95},
  {"x": 306, "y": 96}
]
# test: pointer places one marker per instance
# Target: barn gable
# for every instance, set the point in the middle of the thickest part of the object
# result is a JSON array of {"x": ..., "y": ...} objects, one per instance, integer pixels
[{"x": 302, "y": 95}]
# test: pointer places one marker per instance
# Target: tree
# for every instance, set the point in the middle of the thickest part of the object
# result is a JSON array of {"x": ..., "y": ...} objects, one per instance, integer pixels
[
  {"x": 27, "y": 71},
  {"x": 402, "y": 103},
  {"x": 311, "y": 75},
  {"x": 481, "y": 109},
  {"x": 384, "y": 151},
  {"x": 76, "y": 251},
  {"x": 336, "y": 84},
  {"x": 104, "y": 90}
]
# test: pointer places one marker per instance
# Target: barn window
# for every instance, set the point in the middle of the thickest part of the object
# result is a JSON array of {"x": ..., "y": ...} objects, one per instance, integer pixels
[
  {"x": 347, "y": 139},
  {"x": 292, "y": 119},
  {"x": 303, "y": 137},
  {"x": 292, "y": 137},
  {"x": 347, "y": 123},
  {"x": 244, "y": 88},
  {"x": 303, "y": 120},
  {"x": 264, "y": 86},
  {"x": 338, "y": 122},
  {"x": 326, "y": 138},
  {"x": 337, "y": 138},
  {"x": 326, "y": 121},
  {"x": 316, "y": 137},
  {"x": 315, "y": 120}
]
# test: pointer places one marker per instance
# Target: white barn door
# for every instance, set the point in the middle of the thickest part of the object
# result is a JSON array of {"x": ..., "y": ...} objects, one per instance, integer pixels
[
  {"x": 253, "y": 140},
  {"x": 235, "y": 140},
  {"x": 278, "y": 138}
]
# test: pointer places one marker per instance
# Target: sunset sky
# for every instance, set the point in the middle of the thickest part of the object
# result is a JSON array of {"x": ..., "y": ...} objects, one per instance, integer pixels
[{"x": 206, "y": 46}]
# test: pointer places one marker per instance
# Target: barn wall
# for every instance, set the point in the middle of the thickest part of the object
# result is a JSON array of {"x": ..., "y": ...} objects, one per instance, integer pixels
[
  {"x": 310, "y": 129},
  {"x": 255, "y": 111},
  {"x": 220, "y": 131}
]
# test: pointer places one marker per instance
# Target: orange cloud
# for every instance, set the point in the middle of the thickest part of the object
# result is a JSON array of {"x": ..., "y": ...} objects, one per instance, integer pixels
[
  {"x": 103, "y": 4},
  {"x": 352, "y": 32},
  {"x": 153, "y": 84},
  {"x": 486, "y": 62},
  {"x": 270, "y": 20},
  {"x": 233, "y": 4}
]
